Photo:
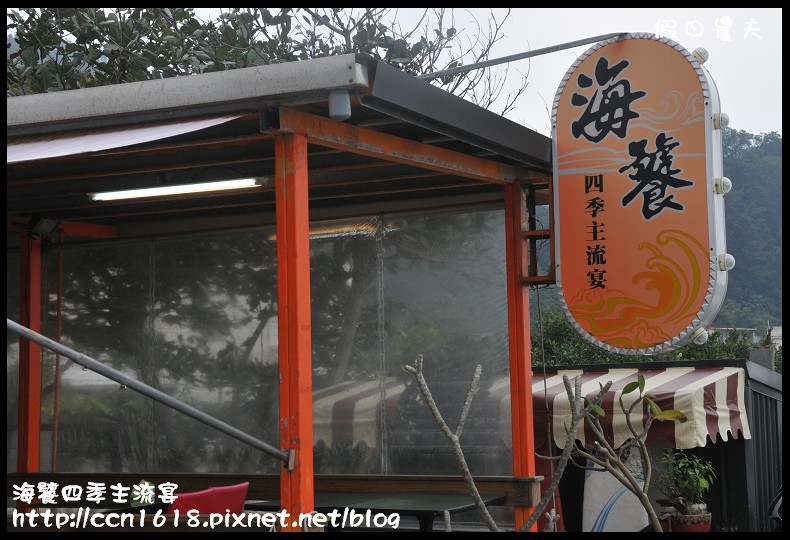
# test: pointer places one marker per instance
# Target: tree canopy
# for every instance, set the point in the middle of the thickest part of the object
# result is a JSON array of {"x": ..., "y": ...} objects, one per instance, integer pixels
[{"x": 69, "y": 48}]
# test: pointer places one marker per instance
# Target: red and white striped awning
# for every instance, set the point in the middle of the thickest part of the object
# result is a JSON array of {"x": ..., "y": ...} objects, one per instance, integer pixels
[
  {"x": 712, "y": 398},
  {"x": 347, "y": 413}
]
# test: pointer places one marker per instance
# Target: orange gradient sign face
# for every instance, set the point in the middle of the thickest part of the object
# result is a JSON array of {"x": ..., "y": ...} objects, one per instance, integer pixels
[{"x": 638, "y": 223}]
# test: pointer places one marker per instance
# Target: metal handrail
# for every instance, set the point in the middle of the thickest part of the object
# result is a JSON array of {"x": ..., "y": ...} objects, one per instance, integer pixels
[{"x": 151, "y": 392}]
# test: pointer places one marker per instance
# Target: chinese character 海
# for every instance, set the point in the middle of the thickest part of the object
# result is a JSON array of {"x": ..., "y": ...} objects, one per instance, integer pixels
[
  {"x": 609, "y": 109},
  {"x": 653, "y": 175},
  {"x": 25, "y": 493}
]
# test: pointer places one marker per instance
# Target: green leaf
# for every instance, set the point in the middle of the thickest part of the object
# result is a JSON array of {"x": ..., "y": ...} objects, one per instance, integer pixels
[
  {"x": 598, "y": 410},
  {"x": 139, "y": 61},
  {"x": 672, "y": 414},
  {"x": 630, "y": 387},
  {"x": 641, "y": 384},
  {"x": 656, "y": 410},
  {"x": 595, "y": 408}
]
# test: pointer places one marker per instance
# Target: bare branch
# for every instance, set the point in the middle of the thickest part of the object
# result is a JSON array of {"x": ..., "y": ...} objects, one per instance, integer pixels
[
  {"x": 416, "y": 370},
  {"x": 473, "y": 388},
  {"x": 576, "y": 399}
]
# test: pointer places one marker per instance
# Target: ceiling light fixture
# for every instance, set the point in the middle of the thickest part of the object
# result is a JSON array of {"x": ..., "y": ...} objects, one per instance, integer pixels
[{"x": 175, "y": 190}]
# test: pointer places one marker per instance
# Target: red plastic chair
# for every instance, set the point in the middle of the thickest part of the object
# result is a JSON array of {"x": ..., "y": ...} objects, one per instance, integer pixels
[
  {"x": 230, "y": 498},
  {"x": 214, "y": 500},
  {"x": 194, "y": 500}
]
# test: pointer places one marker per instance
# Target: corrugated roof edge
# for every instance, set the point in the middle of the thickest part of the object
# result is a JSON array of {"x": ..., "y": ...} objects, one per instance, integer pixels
[{"x": 239, "y": 90}]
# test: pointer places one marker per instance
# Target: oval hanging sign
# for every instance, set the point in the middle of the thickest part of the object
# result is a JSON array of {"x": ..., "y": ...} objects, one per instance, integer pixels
[{"x": 638, "y": 207}]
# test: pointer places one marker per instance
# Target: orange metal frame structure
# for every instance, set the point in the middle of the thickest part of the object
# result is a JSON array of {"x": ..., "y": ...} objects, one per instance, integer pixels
[{"x": 295, "y": 348}]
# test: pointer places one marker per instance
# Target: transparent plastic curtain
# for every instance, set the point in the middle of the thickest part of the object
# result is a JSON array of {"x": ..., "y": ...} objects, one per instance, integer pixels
[
  {"x": 431, "y": 284},
  {"x": 12, "y": 361},
  {"x": 185, "y": 316},
  {"x": 196, "y": 318}
]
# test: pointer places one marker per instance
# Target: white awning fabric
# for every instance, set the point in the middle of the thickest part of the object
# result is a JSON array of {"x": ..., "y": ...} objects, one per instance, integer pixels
[
  {"x": 349, "y": 412},
  {"x": 712, "y": 398},
  {"x": 59, "y": 145}
]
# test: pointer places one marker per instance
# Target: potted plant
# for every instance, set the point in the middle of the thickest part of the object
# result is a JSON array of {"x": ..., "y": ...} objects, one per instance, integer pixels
[{"x": 686, "y": 480}]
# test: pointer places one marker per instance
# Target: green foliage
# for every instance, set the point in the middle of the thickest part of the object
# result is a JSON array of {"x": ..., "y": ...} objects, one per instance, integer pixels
[
  {"x": 70, "y": 48},
  {"x": 559, "y": 344},
  {"x": 687, "y": 476}
]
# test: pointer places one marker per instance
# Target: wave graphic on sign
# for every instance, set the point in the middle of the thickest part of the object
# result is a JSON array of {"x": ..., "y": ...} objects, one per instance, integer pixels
[{"x": 675, "y": 276}]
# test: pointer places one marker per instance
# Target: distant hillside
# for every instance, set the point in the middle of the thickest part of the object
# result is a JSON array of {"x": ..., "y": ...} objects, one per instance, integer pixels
[{"x": 753, "y": 212}]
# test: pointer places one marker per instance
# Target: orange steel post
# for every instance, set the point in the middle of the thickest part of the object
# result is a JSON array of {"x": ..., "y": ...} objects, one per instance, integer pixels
[
  {"x": 294, "y": 326},
  {"x": 29, "y": 356},
  {"x": 518, "y": 337}
]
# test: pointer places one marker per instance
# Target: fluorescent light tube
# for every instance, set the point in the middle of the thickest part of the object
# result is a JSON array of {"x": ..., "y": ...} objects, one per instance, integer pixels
[{"x": 174, "y": 190}]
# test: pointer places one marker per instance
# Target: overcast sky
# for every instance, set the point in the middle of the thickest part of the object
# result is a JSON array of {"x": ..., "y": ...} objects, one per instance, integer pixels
[{"x": 745, "y": 47}]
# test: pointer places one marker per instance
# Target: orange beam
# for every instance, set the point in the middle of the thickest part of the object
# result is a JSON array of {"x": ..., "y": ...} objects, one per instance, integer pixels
[
  {"x": 68, "y": 228},
  {"x": 28, "y": 452},
  {"x": 372, "y": 143},
  {"x": 294, "y": 323},
  {"x": 87, "y": 230},
  {"x": 519, "y": 342}
]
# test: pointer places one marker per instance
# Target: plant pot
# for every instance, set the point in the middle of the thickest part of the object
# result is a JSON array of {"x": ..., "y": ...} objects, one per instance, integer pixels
[{"x": 689, "y": 522}]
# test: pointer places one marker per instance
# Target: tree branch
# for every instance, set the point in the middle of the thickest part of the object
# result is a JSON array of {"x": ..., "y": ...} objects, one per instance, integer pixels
[{"x": 416, "y": 370}]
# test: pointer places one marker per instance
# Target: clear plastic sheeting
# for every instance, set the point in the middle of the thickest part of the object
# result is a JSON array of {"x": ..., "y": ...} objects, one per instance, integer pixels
[
  {"x": 12, "y": 361},
  {"x": 423, "y": 284},
  {"x": 184, "y": 316},
  {"x": 196, "y": 317}
]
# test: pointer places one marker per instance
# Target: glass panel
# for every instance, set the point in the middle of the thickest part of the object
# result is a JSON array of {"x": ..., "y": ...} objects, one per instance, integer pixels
[
  {"x": 446, "y": 299},
  {"x": 196, "y": 318},
  {"x": 12, "y": 360},
  {"x": 432, "y": 285},
  {"x": 192, "y": 317}
]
